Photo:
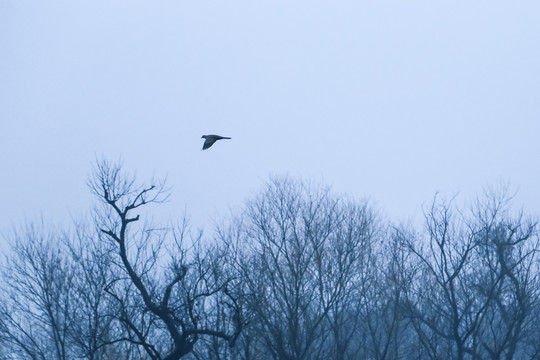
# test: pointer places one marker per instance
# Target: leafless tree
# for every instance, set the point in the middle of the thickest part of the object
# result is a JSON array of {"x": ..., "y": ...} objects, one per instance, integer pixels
[
  {"x": 301, "y": 250},
  {"x": 477, "y": 282},
  {"x": 349, "y": 258},
  {"x": 36, "y": 307},
  {"x": 298, "y": 273},
  {"x": 446, "y": 311},
  {"x": 382, "y": 299},
  {"x": 53, "y": 300},
  {"x": 94, "y": 334},
  {"x": 163, "y": 312},
  {"x": 507, "y": 252}
]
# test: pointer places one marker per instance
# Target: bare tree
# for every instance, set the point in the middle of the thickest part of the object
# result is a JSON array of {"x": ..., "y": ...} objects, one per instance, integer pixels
[
  {"x": 445, "y": 310},
  {"x": 348, "y": 259},
  {"x": 299, "y": 273},
  {"x": 94, "y": 333},
  {"x": 478, "y": 281},
  {"x": 382, "y": 299},
  {"x": 508, "y": 252},
  {"x": 162, "y": 312},
  {"x": 36, "y": 307},
  {"x": 301, "y": 250}
]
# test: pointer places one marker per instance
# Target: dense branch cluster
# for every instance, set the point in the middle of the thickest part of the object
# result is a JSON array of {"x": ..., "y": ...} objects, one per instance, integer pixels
[{"x": 298, "y": 273}]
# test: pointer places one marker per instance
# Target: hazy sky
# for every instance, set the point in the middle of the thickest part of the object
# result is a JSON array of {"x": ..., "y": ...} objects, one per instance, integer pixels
[{"x": 389, "y": 100}]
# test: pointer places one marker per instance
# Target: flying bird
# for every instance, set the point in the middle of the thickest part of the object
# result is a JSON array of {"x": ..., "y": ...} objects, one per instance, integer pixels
[{"x": 211, "y": 139}]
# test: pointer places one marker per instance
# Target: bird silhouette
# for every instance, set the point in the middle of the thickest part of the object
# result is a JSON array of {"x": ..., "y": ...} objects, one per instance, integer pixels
[{"x": 211, "y": 139}]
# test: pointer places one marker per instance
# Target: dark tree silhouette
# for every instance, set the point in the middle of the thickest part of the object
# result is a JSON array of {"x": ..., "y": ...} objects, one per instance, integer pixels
[
  {"x": 165, "y": 315},
  {"x": 299, "y": 273},
  {"x": 302, "y": 250}
]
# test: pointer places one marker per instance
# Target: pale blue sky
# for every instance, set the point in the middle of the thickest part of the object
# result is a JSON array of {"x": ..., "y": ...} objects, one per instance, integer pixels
[{"x": 389, "y": 100}]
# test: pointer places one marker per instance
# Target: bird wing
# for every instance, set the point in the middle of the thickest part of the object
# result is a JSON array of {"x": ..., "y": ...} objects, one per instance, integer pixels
[{"x": 208, "y": 142}]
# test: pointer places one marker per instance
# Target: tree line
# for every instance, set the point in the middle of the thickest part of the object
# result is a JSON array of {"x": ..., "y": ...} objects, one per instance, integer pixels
[{"x": 297, "y": 273}]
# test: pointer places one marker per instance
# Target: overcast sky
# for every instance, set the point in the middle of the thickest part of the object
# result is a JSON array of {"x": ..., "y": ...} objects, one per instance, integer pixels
[{"x": 387, "y": 100}]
